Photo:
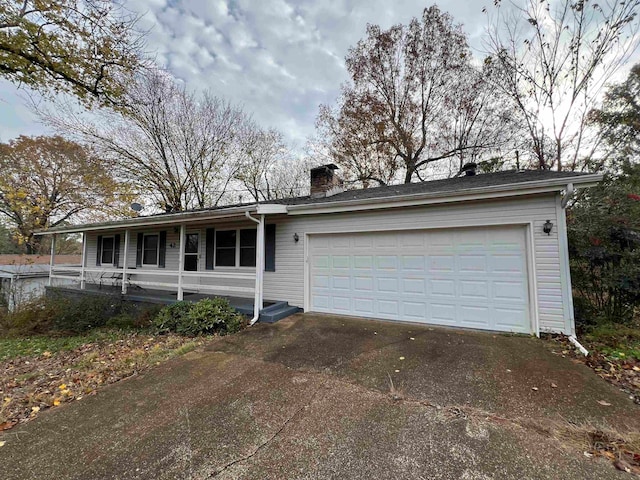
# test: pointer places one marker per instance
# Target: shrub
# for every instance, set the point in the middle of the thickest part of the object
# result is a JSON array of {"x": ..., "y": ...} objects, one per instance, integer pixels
[
  {"x": 32, "y": 317},
  {"x": 208, "y": 316},
  {"x": 84, "y": 313},
  {"x": 604, "y": 247}
]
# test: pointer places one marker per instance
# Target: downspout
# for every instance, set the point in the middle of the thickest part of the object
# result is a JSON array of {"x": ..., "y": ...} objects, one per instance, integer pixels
[
  {"x": 565, "y": 200},
  {"x": 257, "y": 301}
]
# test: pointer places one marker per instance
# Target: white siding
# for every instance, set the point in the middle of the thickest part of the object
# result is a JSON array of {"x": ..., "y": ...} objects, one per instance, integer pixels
[{"x": 288, "y": 282}]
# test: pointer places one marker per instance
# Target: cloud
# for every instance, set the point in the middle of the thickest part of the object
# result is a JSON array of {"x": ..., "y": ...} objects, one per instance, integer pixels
[{"x": 280, "y": 59}]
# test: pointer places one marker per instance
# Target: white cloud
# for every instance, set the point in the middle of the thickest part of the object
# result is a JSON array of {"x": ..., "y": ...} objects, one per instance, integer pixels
[{"x": 278, "y": 58}]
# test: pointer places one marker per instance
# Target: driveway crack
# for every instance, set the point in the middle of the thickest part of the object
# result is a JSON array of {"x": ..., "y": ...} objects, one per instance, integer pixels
[{"x": 264, "y": 444}]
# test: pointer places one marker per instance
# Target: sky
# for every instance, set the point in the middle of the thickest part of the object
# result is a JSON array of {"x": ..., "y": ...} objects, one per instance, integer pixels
[{"x": 279, "y": 59}]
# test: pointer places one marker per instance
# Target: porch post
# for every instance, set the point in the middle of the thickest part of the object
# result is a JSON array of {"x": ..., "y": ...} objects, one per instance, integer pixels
[
  {"x": 83, "y": 280},
  {"x": 53, "y": 256},
  {"x": 181, "y": 261},
  {"x": 258, "y": 300},
  {"x": 125, "y": 280}
]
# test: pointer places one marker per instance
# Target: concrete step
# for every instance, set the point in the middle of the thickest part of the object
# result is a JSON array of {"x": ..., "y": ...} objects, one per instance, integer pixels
[{"x": 272, "y": 315}]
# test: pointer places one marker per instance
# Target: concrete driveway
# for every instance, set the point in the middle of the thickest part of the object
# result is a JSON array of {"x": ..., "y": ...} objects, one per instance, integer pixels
[{"x": 316, "y": 397}]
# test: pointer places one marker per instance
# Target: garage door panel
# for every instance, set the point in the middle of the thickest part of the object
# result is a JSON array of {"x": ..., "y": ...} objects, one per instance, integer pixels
[{"x": 474, "y": 277}]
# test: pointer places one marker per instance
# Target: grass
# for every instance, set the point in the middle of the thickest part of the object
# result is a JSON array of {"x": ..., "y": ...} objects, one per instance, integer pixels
[
  {"x": 614, "y": 340},
  {"x": 13, "y": 347}
]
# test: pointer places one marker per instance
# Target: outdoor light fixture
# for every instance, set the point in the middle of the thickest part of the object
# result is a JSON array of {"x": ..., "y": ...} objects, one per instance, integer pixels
[
  {"x": 546, "y": 228},
  {"x": 172, "y": 245},
  {"x": 296, "y": 237}
]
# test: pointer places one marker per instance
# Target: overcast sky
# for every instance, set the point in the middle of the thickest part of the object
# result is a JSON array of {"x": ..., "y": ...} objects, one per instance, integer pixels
[{"x": 278, "y": 58}]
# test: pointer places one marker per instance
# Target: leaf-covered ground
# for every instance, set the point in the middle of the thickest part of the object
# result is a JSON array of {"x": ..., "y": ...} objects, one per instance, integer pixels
[{"x": 43, "y": 372}]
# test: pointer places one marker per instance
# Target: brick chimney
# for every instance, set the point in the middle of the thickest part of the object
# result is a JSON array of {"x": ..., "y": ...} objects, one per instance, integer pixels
[{"x": 324, "y": 181}]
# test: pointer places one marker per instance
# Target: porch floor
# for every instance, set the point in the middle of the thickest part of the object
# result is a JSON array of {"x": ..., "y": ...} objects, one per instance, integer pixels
[{"x": 146, "y": 295}]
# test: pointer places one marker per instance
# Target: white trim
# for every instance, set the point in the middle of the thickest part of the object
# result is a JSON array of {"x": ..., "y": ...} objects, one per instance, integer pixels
[
  {"x": 534, "y": 321},
  {"x": 565, "y": 269},
  {"x": 533, "y": 277},
  {"x": 271, "y": 208}
]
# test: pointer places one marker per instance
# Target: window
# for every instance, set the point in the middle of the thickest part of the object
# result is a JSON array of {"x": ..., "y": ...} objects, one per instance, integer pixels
[
  {"x": 226, "y": 248},
  {"x": 150, "y": 250},
  {"x": 248, "y": 248},
  {"x": 106, "y": 256},
  {"x": 236, "y": 248}
]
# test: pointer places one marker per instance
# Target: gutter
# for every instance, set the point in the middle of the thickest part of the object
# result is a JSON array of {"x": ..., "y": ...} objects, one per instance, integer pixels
[{"x": 257, "y": 301}]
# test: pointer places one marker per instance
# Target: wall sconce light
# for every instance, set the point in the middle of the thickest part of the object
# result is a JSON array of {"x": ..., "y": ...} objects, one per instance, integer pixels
[
  {"x": 546, "y": 228},
  {"x": 172, "y": 245},
  {"x": 296, "y": 237}
]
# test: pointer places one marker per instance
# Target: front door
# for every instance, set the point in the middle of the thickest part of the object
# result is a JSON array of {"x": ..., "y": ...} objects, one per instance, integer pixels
[{"x": 191, "y": 250}]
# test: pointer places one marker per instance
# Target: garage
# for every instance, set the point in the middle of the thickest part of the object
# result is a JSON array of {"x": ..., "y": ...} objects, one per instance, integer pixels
[{"x": 464, "y": 277}]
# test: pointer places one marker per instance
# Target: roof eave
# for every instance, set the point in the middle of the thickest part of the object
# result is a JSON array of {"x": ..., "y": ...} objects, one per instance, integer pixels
[{"x": 170, "y": 218}]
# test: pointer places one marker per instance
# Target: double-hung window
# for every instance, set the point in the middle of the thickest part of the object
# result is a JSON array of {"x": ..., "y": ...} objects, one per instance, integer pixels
[
  {"x": 236, "y": 248},
  {"x": 106, "y": 255},
  {"x": 150, "y": 249}
]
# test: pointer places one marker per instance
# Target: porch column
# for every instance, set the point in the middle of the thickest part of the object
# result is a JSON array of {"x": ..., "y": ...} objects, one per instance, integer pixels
[
  {"x": 53, "y": 257},
  {"x": 258, "y": 300},
  {"x": 181, "y": 261},
  {"x": 83, "y": 279},
  {"x": 125, "y": 281}
]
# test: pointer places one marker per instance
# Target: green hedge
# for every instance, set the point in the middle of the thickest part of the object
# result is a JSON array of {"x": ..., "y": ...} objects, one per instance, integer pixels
[{"x": 205, "y": 317}]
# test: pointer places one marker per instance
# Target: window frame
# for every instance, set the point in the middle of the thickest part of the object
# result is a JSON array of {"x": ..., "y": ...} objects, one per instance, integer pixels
[
  {"x": 237, "y": 265},
  {"x": 144, "y": 236},
  {"x": 113, "y": 249}
]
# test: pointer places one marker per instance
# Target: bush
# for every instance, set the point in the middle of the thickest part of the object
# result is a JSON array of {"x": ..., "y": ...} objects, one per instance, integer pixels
[
  {"x": 30, "y": 318},
  {"x": 604, "y": 248},
  {"x": 208, "y": 316}
]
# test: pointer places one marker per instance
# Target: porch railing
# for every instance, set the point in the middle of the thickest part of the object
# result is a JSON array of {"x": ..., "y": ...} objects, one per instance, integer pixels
[{"x": 130, "y": 277}]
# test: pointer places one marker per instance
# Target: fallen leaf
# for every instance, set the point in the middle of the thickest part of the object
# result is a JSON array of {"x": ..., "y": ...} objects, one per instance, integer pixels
[
  {"x": 63, "y": 386},
  {"x": 535, "y": 389},
  {"x": 46, "y": 354},
  {"x": 7, "y": 425},
  {"x": 3, "y": 443},
  {"x": 411, "y": 338},
  {"x": 587, "y": 454},
  {"x": 636, "y": 369},
  {"x": 401, "y": 358},
  {"x": 397, "y": 371},
  {"x": 603, "y": 403},
  {"x": 34, "y": 410},
  {"x": 56, "y": 403},
  {"x": 553, "y": 385},
  {"x": 508, "y": 371}
]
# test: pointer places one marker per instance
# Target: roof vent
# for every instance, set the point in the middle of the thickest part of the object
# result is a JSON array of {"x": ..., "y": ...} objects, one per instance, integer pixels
[{"x": 469, "y": 169}]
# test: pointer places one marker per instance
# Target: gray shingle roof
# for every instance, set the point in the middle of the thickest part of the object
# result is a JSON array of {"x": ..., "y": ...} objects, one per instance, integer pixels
[{"x": 449, "y": 185}]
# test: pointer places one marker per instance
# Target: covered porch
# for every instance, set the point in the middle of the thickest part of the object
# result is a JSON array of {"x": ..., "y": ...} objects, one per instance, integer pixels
[{"x": 182, "y": 256}]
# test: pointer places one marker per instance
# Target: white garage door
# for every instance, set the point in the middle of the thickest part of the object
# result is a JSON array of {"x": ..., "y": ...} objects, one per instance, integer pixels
[{"x": 475, "y": 277}]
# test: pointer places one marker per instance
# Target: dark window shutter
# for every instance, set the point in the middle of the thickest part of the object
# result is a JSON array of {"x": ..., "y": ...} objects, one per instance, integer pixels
[
  {"x": 210, "y": 243},
  {"x": 99, "y": 251},
  {"x": 116, "y": 250},
  {"x": 139, "y": 250},
  {"x": 162, "y": 248},
  {"x": 270, "y": 248}
]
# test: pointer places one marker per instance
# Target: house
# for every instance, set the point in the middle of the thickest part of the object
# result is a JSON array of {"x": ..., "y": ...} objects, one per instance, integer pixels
[
  {"x": 24, "y": 277},
  {"x": 486, "y": 251}
]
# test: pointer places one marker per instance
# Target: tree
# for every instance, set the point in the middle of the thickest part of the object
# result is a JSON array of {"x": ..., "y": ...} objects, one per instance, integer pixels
[
  {"x": 49, "y": 181},
  {"x": 414, "y": 98},
  {"x": 604, "y": 247},
  {"x": 619, "y": 119},
  {"x": 266, "y": 170},
  {"x": 180, "y": 151},
  {"x": 82, "y": 47},
  {"x": 7, "y": 242},
  {"x": 552, "y": 58}
]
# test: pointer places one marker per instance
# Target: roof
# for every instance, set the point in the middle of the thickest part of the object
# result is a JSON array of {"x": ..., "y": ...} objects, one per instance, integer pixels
[
  {"x": 23, "y": 271},
  {"x": 447, "y": 185},
  {"x": 487, "y": 184}
]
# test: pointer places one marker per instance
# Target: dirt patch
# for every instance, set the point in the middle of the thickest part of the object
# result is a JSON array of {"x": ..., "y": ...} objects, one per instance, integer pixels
[{"x": 32, "y": 384}]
